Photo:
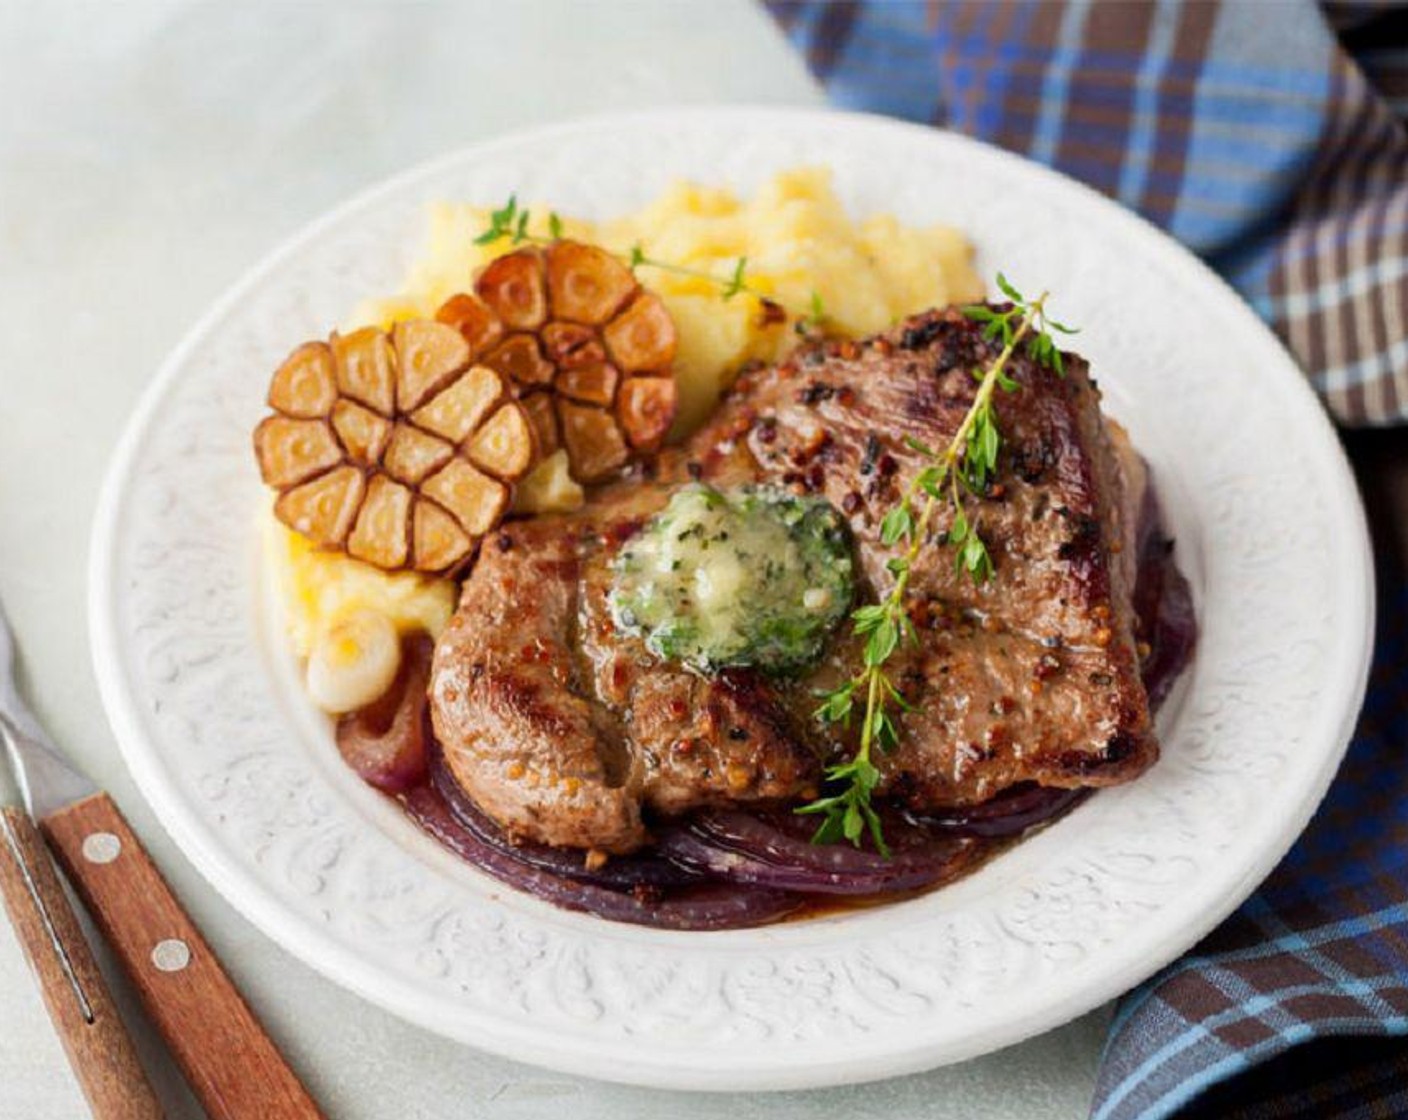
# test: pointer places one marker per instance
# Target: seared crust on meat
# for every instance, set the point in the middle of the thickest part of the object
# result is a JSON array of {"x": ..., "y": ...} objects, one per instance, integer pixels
[
  {"x": 561, "y": 728},
  {"x": 514, "y": 730},
  {"x": 566, "y": 730}
]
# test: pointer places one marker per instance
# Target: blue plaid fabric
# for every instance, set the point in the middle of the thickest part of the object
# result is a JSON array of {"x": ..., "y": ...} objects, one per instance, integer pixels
[
  {"x": 1248, "y": 130},
  {"x": 1320, "y": 951},
  {"x": 1268, "y": 136}
]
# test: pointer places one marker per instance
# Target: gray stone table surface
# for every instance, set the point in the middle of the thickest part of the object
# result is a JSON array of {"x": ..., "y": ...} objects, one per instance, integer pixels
[{"x": 150, "y": 152}]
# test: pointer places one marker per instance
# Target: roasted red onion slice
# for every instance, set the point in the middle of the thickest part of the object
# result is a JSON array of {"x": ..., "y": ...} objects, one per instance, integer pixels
[
  {"x": 1173, "y": 632},
  {"x": 386, "y": 742},
  {"x": 1012, "y": 811},
  {"x": 775, "y": 850},
  {"x": 705, "y": 906},
  {"x": 1164, "y": 602},
  {"x": 642, "y": 869},
  {"x": 1163, "y": 605}
]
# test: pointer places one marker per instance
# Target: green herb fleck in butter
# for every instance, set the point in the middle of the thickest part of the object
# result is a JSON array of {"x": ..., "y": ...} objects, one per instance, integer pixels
[{"x": 754, "y": 577}]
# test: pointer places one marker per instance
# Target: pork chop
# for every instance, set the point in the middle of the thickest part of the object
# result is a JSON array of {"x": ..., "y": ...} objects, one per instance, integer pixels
[{"x": 567, "y": 729}]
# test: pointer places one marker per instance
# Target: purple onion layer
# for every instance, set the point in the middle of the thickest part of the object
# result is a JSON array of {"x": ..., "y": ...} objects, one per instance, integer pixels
[
  {"x": 775, "y": 850},
  {"x": 1011, "y": 812},
  {"x": 705, "y": 906},
  {"x": 1163, "y": 605},
  {"x": 640, "y": 869}
]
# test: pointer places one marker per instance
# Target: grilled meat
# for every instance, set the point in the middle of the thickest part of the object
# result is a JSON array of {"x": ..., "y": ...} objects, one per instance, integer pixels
[{"x": 568, "y": 730}]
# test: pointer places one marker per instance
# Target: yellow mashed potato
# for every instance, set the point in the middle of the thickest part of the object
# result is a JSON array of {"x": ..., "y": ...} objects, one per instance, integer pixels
[
  {"x": 803, "y": 251},
  {"x": 319, "y": 590},
  {"x": 799, "y": 243}
]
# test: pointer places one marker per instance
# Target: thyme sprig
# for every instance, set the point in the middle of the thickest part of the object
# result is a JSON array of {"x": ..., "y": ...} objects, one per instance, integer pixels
[
  {"x": 964, "y": 467},
  {"x": 510, "y": 221}
]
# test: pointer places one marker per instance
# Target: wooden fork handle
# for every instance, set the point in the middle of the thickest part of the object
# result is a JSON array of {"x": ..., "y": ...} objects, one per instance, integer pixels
[
  {"x": 93, "y": 1035},
  {"x": 233, "y": 1066}
]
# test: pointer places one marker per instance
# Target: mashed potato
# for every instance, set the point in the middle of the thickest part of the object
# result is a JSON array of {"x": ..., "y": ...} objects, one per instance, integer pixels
[
  {"x": 800, "y": 244},
  {"x": 320, "y": 590},
  {"x": 803, "y": 251}
]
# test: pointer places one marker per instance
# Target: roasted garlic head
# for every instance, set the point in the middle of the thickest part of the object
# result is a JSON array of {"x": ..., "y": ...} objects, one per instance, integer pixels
[
  {"x": 397, "y": 449},
  {"x": 586, "y": 349}
]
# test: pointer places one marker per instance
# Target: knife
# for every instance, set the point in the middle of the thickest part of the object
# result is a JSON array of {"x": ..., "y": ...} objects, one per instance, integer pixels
[{"x": 233, "y": 1066}]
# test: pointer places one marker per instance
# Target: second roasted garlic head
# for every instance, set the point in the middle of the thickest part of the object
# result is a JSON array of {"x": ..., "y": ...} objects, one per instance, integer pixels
[{"x": 587, "y": 349}]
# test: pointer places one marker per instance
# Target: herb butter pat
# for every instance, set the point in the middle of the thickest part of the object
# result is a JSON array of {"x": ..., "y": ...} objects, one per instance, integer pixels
[{"x": 754, "y": 577}]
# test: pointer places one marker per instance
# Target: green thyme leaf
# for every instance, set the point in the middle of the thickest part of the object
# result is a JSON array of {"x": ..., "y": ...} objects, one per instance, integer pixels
[
  {"x": 836, "y": 706},
  {"x": 886, "y": 733},
  {"x": 881, "y": 643},
  {"x": 737, "y": 282},
  {"x": 821, "y": 804},
  {"x": 991, "y": 443},
  {"x": 867, "y": 618},
  {"x": 973, "y": 558},
  {"x": 500, "y": 222},
  {"x": 958, "y": 531},
  {"x": 877, "y": 837},
  {"x": 897, "y": 696},
  {"x": 897, "y": 525},
  {"x": 830, "y": 830}
]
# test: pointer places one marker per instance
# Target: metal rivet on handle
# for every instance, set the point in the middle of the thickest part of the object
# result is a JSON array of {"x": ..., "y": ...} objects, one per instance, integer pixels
[
  {"x": 171, "y": 955},
  {"x": 101, "y": 847}
]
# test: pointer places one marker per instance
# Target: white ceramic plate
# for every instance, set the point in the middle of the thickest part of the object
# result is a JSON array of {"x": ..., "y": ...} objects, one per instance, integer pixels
[{"x": 247, "y": 779}]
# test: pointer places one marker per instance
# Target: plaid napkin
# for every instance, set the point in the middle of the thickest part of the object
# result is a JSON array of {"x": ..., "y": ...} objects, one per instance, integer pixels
[
  {"x": 1270, "y": 138},
  {"x": 1319, "y": 953},
  {"x": 1248, "y": 130}
]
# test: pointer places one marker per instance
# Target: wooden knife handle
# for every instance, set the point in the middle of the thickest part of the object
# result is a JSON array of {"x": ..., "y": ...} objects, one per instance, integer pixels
[
  {"x": 232, "y": 1065},
  {"x": 94, "y": 1037}
]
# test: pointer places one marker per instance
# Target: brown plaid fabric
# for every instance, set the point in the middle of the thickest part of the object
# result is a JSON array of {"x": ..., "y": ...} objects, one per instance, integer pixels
[
  {"x": 1318, "y": 956},
  {"x": 1268, "y": 135}
]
